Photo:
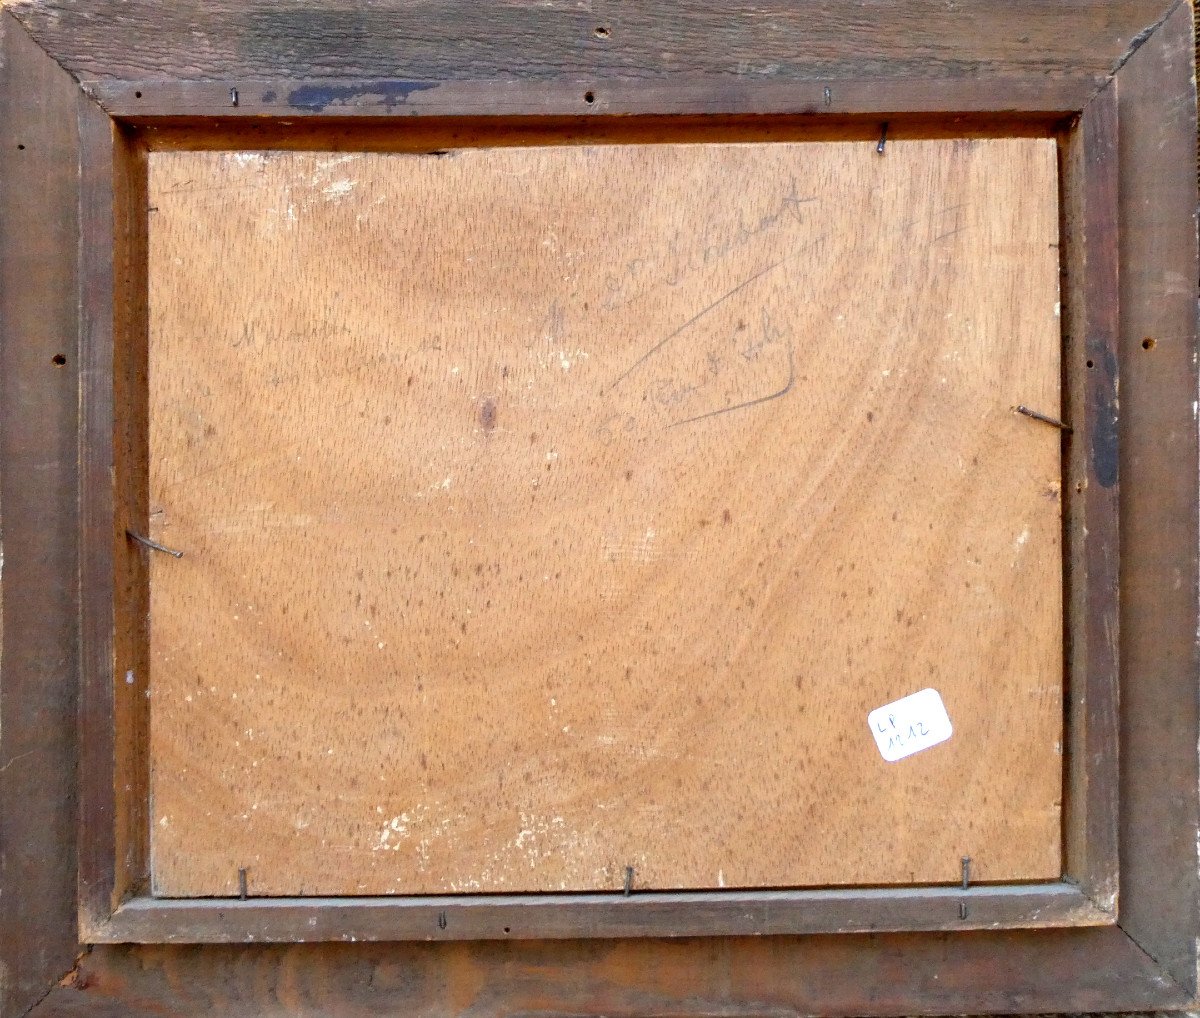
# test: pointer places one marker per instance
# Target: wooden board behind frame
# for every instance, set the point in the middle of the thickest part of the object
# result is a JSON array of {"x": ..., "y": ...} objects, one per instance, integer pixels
[
  {"x": 124, "y": 911},
  {"x": 552, "y": 509},
  {"x": 82, "y": 105}
]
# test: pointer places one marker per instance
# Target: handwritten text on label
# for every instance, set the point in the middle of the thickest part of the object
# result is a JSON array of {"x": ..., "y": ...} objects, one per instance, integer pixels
[{"x": 910, "y": 724}]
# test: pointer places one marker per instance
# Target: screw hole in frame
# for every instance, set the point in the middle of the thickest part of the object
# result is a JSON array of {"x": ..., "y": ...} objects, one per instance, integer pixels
[{"x": 589, "y": 97}]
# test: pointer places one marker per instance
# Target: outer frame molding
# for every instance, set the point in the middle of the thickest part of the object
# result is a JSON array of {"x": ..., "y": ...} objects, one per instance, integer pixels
[{"x": 86, "y": 89}]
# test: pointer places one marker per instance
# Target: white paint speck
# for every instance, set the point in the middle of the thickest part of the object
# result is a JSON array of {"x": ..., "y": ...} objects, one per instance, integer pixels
[{"x": 338, "y": 189}]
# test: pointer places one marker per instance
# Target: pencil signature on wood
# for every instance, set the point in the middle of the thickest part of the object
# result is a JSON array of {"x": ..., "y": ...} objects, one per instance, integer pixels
[
  {"x": 692, "y": 321},
  {"x": 685, "y": 255},
  {"x": 791, "y": 381}
]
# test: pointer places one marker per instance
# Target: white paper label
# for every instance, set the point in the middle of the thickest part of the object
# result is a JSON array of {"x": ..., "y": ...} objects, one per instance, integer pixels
[{"x": 909, "y": 725}]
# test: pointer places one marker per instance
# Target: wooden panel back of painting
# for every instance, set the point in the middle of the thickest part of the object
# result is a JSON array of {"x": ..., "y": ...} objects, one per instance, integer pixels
[{"x": 553, "y": 510}]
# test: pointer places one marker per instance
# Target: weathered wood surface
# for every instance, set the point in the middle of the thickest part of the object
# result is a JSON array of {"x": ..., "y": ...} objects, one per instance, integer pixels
[
  {"x": 557, "y": 510},
  {"x": 999, "y": 973},
  {"x": 1091, "y": 483},
  {"x": 457, "y": 40},
  {"x": 1160, "y": 890},
  {"x": 39, "y": 397},
  {"x": 1048, "y": 971}
]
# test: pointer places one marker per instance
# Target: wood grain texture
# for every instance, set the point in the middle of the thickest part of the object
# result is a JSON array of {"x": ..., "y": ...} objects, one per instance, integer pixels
[
  {"x": 651, "y": 43},
  {"x": 113, "y": 714},
  {"x": 1160, "y": 896},
  {"x": 39, "y": 322},
  {"x": 1039, "y": 99},
  {"x": 907, "y": 974},
  {"x": 725, "y": 913},
  {"x": 424, "y": 134},
  {"x": 976, "y": 973},
  {"x": 99, "y": 142},
  {"x": 1090, "y": 372},
  {"x": 552, "y": 511},
  {"x": 130, "y": 565}
]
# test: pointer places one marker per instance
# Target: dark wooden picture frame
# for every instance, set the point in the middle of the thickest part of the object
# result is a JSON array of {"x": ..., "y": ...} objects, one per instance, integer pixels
[{"x": 90, "y": 87}]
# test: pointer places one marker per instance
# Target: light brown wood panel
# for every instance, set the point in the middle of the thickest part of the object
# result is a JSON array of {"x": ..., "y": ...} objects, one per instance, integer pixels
[{"x": 550, "y": 511}]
